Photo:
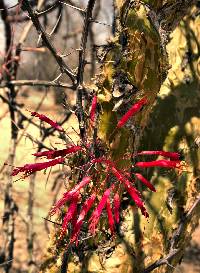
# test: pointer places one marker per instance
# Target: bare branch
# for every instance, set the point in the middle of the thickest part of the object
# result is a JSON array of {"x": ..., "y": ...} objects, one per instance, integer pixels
[
  {"x": 33, "y": 15},
  {"x": 10, "y": 208},
  {"x": 174, "y": 250},
  {"x": 84, "y": 38},
  {"x": 82, "y": 11},
  {"x": 37, "y": 83},
  {"x": 82, "y": 62}
]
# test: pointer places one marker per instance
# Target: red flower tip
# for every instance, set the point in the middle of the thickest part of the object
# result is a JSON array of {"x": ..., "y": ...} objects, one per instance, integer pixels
[
  {"x": 110, "y": 217},
  {"x": 145, "y": 181},
  {"x": 44, "y": 118},
  {"x": 94, "y": 219},
  {"x": 56, "y": 153},
  {"x": 86, "y": 207},
  {"x": 172, "y": 155},
  {"x": 133, "y": 110},
  {"x": 133, "y": 192},
  {"x": 31, "y": 168},
  {"x": 71, "y": 213},
  {"x": 67, "y": 196},
  {"x": 93, "y": 108},
  {"x": 160, "y": 163}
]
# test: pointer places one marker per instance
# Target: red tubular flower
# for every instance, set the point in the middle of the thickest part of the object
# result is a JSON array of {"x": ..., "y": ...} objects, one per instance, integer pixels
[
  {"x": 79, "y": 186},
  {"x": 86, "y": 207},
  {"x": 56, "y": 153},
  {"x": 93, "y": 108},
  {"x": 69, "y": 215},
  {"x": 75, "y": 215},
  {"x": 159, "y": 163},
  {"x": 133, "y": 110},
  {"x": 48, "y": 120},
  {"x": 145, "y": 181},
  {"x": 67, "y": 196},
  {"x": 133, "y": 192},
  {"x": 171, "y": 155},
  {"x": 116, "y": 207},
  {"x": 31, "y": 168},
  {"x": 94, "y": 219},
  {"x": 102, "y": 160},
  {"x": 110, "y": 217}
]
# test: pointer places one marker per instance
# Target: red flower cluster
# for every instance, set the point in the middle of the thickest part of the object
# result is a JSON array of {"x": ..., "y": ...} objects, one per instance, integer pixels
[
  {"x": 111, "y": 194},
  {"x": 103, "y": 182}
]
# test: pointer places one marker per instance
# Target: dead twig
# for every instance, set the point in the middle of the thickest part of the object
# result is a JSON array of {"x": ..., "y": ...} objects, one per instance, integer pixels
[
  {"x": 81, "y": 66},
  {"x": 37, "y": 83},
  {"x": 64, "y": 68},
  {"x": 174, "y": 248}
]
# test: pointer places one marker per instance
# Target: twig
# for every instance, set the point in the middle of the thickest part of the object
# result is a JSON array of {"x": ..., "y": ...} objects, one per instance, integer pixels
[
  {"x": 162, "y": 261},
  {"x": 10, "y": 207},
  {"x": 33, "y": 15},
  {"x": 6, "y": 263},
  {"x": 48, "y": 9},
  {"x": 82, "y": 53},
  {"x": 74, "y": 7},
  {"x": 92, "y": 38},
  {"x": 55, "y": 223},
  {"x": 100, "y": 23},
  {"x": 7, "y": 8},
  {"x": 37, "y": 83},
  {"x": 84, "y": 38},
  {"x": 56, "y": 24},
  {"x": 15, "y": 108},
  {"x": 13, "y": 18},
  {"x": 174, "y": 250},
  {"x": 183, "y": 224}
]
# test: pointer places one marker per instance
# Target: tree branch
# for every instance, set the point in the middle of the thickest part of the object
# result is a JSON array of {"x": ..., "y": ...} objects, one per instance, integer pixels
[
  {"x": 174, "y": 250},
  {"x": 82, "y": 62},
  {"x": 33, "y": 15},
  {"x": 37, "y": 83}
]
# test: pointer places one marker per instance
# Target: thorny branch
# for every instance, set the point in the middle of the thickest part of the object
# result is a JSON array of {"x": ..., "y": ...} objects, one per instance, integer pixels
[
  {"x": 37, "y": 83},
  {"x": 10, "y": 208},
  {"x": 33, "y": 15},
  {"x": 82, "y": 62},
  {"x": 174, "y": 249},
  {"x": 13, "y": 18},
  {"x": 82, "y": 50}
]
